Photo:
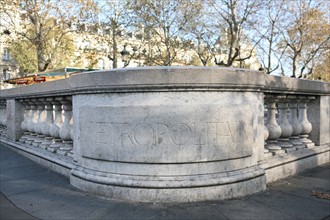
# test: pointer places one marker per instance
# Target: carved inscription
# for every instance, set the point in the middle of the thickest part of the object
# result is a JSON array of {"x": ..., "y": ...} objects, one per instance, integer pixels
[
  {"x": 155, "y": 134},
  {"x": 165, "y": 134}
]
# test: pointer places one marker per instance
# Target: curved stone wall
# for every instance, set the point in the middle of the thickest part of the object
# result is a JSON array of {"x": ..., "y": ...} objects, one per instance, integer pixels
[
  {"x": 170, "y": 134},
  {"x": 170, "y": 145}
]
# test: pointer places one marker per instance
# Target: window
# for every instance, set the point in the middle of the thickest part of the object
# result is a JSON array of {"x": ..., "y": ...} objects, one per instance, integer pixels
[
  {"x": 6, "y": 54},
  {"x": 6, "y": 74}
]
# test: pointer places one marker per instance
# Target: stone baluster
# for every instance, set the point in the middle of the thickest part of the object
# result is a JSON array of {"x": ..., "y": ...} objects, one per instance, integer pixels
[
  {"x": 33, "y": 120},
  {"x": 266, "y": 135},
  {"x": 70, "y": 154},
  {"x": 56, "y": 126},
  {"x": 272, "y": 125},
  {"x": 295, "y": 123},
  {"x": 40, "y": 122},
  {"x": 48, "y": 123},
  {"x": 65, "y": 130},
  {"x": 306, "y": 125},
  {"x": 27, "y": 117},
  {"x": 267, "y": 153},
  {"x": 286, "y": 127}
]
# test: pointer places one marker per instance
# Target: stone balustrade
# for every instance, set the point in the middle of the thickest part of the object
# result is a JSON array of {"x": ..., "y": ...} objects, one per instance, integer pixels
[
  {"x": 287, "y": 132},
  {"x": 174, "y": 134},
  {"x": 39, "y": 127}
]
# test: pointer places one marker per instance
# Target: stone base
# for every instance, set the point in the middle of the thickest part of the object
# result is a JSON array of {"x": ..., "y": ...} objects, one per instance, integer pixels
[
  {"x": 43, "y": 146},
  {"x": 36, "y": 143},
  {"x": 268, "y": 155},
  {"x": 289, "y": 164},
  {"x": 310, "y": 145},
  {"x": 170, "y": 188},
  {"x": 273, "y": 148},
  {"x": 53, "y": 150},
  {"x": 291, "y": 149},
  {"x": 22, "y": 139},
  {"x": 285, "y": 143},
  {"x": 296, "y": 142},
  {"x": 65, "y": 148},
  {"x": 46, "y": 142},
  {"x": 55, "y": 146},
  {"x": 29, "y": 142},
  {"x": 70, "y": 154},
  {"x": 303, "y": 146},
  {"x": 278, "y": 152},
  {"x": 57, "y": 163}
]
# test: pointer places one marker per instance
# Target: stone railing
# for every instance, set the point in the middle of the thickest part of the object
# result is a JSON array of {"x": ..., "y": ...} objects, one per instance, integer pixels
[
  {"x": 47, "y": 124},
  {"x": 170, "y": 134},
  {"x": 290, "y": 131}
]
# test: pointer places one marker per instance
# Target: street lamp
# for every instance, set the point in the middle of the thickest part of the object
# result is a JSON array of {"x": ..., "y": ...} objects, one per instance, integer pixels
[{"x": 125, "y": 56}]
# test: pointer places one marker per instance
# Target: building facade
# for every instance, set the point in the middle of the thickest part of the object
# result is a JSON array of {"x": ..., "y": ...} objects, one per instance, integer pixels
[
  {"x": 93, "y": 46},
  {"x": 8, "y": 67}
]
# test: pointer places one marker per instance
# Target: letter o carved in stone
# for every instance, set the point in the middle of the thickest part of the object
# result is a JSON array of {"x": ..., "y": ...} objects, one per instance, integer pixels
[
  {"x": 180, "y": 134},
  {"x": 143, "y": 134}
]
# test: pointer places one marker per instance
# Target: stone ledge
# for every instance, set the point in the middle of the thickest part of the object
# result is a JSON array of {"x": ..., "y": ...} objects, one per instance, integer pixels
[
  {"x": 173, "y": 195},
  {"x": 57, "y": 163},
  {"x": 177, "y": 181},
  {"x": 173, "y": 169},
  {"x": 285, "y": 165},
  {"x": 287, "y": 85},
  {"x": 155, "y": 79}
]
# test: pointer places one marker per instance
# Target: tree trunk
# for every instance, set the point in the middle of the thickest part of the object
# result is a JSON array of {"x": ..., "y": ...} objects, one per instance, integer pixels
[
  {"x": 114, "y": 48},
  {"x": 294, "y": 66},
  {"x": 42, "y": 64}
]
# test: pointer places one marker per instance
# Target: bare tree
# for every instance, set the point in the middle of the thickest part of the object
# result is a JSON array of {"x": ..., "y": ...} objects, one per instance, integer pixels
[
  {"x": 164, "y": 22},
  {"x": 114, "y": 19},
  {"x": 321, "y": 68},
  {"x": 305, "y": 35},
  {"x": 234, "y": 19},
  {"x": 202, "y": 35},
  {"x": 40, "y": 20},
  {"x": 268, "y": 29}
]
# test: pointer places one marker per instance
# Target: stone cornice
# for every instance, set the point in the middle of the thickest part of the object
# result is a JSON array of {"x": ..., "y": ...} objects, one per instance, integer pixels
[{"x": 171, "y": 79}]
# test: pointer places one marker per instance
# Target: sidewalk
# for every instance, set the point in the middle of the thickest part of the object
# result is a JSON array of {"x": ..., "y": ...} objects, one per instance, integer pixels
[{"x": 29, "y": 191}]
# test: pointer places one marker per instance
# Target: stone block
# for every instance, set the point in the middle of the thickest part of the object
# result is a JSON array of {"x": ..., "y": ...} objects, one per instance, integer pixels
[
  {"x": 15, "y": 116},
  {"x": 319, "y": 115},
  {"x": 167, "y": 140}
]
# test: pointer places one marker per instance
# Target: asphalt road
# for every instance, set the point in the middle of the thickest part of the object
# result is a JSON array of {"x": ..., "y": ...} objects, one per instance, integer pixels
[{"x": 29, "y": 191}]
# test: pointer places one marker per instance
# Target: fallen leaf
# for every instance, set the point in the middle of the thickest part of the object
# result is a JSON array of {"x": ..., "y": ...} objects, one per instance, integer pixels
[{"x": 321, "y": 195}]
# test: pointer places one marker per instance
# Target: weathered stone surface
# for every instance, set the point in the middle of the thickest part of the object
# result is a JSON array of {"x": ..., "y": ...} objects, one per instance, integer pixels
[
  {"x": 166, "y": 134},
  {"x": 292, "y": 85},
  {"x": 287, "y": 164},
  {"x": 227, "y": 187},
  {"x": 166, "y": 140},
  {"x": 169, "y": 127},
  {"x": 15, "y": 116},
  {"x": 319, "y": 115},
  {"x": 176, "y": 133}
]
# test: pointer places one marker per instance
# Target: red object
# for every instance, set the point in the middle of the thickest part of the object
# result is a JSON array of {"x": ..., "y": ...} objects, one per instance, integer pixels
[
  {"x": 22, "y": 81},
  {"x": 39, "y": 78}
]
